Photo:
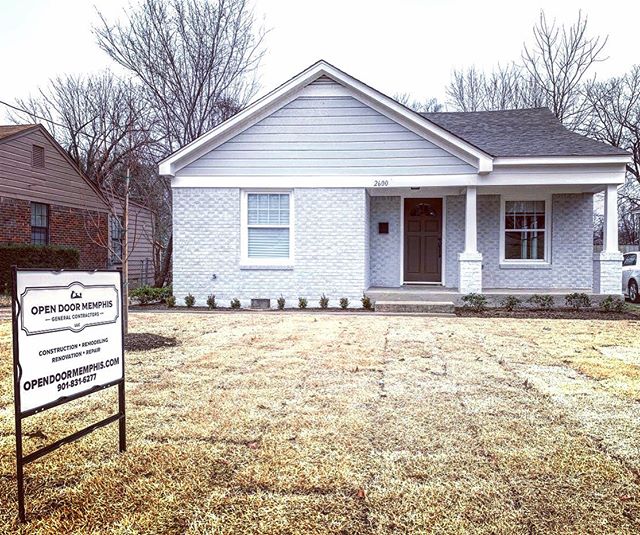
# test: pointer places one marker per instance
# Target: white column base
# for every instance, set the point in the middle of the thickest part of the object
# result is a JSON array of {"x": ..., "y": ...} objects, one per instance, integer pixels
[
  {"x": 607, "y": 273},
  {"x": 469, "y": 273}
]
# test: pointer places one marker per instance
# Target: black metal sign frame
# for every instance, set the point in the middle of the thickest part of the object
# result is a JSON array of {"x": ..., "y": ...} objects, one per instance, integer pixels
[{"x": 120, "y": 416}]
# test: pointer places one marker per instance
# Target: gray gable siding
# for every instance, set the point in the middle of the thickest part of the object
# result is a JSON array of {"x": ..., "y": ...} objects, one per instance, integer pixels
[{"x": 325, "y": 132}]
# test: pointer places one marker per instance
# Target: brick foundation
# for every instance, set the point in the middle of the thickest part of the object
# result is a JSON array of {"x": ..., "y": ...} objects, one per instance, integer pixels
[{"x": 69, "y": 227}]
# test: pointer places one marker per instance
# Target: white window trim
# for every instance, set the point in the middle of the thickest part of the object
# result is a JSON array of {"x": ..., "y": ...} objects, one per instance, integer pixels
[
  {"x": 547, "y": 230},
  {"x": 244, "y": 230}
]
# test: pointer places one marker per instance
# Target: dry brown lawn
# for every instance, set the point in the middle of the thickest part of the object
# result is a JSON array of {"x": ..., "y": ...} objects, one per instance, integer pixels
[{"x": 316, "y": 423}]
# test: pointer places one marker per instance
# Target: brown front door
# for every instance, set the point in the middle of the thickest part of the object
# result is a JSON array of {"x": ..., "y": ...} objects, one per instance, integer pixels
[{"x": 422, "y": 240}]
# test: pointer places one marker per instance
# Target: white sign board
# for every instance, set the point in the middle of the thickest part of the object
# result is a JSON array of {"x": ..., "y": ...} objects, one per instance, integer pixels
[{"x": 69, "y": 326}]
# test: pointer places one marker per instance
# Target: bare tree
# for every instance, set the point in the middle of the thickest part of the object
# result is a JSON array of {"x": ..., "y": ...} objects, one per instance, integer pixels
[
  {"x": 421, "y": 106},
  {"x": 467, "y": 90},
  {"x": 558, "y": 61},
  {"x": 501, "y": 89},
  {"x": 98, "y": 119},
  {"x": 552, "y": 74},
  {"x": 196, "y": 60},
  {"x": 614, "y": 117}
]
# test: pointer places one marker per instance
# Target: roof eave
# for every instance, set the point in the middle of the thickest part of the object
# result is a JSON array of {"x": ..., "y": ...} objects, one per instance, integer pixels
[{"x": 623, "y": 159}]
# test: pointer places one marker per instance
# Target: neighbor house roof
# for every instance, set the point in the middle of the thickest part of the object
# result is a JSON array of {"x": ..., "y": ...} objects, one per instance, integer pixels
[
  {"x": 520, "y": 133},
  {"x": 11, "y": 129}
]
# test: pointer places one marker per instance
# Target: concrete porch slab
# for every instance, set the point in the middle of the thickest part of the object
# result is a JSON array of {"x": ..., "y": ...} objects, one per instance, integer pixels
[{"x": 495, "y": 296}]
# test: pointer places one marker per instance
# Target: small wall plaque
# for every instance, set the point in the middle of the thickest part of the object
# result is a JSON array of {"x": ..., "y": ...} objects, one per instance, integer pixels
[{"x": 383, "y": 228}]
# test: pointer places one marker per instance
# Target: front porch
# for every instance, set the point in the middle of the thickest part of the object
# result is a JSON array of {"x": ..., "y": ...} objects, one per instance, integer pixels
[{"x": 439, "y": 243}]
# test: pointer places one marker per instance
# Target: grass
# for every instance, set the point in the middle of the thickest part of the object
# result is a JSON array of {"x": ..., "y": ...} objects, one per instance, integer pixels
[{"x": 309, "y": 423}]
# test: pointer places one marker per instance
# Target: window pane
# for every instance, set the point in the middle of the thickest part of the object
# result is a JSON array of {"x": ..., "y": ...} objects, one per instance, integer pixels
[
  {"x": 268, "y": 208},
  {"x": 268, "y": 243},
  {"x": 527, "y": 245},
  {"x": 524, "y": 215},
  {"x": 39, "y": 215},
  {"x": 39, "y": 236}
]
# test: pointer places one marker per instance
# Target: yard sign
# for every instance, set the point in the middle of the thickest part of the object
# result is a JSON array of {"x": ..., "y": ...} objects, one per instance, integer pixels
[{"x": 67, "y": 343}]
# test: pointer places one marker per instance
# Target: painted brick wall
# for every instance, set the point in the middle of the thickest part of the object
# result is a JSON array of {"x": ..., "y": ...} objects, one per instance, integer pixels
[
  {"x": 330, "y": 248},
  {"x": 70, "y": 227},
  {"x": 571, "y": 246},
  {"x": 385, "y": 248},
  {"x": 454, "y": 240}
]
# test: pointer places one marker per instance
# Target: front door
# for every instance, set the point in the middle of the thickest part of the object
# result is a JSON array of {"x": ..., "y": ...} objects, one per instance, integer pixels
[{"x": 422, "y": 240}]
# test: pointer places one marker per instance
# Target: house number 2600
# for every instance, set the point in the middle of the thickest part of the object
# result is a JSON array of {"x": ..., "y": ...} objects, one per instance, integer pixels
[{"x": 380, "y": 183}]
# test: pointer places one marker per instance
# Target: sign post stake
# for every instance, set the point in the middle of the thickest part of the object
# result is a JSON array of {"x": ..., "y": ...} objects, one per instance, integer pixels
[{"x": 16, "y": 398}]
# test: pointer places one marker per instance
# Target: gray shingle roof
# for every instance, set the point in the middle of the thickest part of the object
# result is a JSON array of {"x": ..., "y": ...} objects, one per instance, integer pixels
[{"x": 525, "y": 132}]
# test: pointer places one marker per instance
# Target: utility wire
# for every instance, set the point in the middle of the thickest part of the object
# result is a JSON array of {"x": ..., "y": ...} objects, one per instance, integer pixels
[{"x": 21, "y": 110}]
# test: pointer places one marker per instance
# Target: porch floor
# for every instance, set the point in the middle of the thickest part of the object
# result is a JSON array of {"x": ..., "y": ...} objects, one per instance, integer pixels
[{"x": 439, "y": 294}]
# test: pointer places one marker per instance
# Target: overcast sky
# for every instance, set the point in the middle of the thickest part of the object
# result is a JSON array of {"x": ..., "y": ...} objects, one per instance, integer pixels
[{"x": 394, "y": 45}]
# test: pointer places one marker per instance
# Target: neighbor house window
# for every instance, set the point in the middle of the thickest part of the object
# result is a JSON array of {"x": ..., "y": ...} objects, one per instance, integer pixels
[
  {"x": 268, "y": 230},
  {"x": 525, "y": 230},
  {"x": 39, "y": 223},
  {"x": 117, "y": 235}
]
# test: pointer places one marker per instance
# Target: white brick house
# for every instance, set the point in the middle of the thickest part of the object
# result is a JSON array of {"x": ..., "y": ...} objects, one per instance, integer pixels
[{"x": 327, "y": 186}]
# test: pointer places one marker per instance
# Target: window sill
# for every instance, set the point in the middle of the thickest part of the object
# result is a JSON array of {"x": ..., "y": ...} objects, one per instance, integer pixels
[
  {"x": 269, "y": 267},
  {"x": 525, "y": 265}
]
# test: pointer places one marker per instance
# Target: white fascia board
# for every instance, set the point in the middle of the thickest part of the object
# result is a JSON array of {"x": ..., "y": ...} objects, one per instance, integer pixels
[
  {"x": 562, "y": 160},
  {"x": 518, "y": 180},
  {"x": 287, "y": 92}
]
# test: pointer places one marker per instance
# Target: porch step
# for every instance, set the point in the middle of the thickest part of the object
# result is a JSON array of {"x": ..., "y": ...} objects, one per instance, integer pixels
[{"x": 421, "y": 307}]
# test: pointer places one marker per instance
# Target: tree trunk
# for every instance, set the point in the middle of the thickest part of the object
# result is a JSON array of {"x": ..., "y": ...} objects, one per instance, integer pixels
[{"x": 165, "y": 270}]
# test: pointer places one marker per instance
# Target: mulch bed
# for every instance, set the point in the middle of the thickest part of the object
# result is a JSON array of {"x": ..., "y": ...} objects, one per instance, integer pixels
[
  {"x": 160, "y": 306},
  {"x": 561, "y": 314},
  {"x": 146, "y": 341}
]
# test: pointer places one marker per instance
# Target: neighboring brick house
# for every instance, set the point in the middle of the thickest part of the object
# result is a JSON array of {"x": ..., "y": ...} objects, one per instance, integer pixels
[
  {"x": 327, "y": 185},
  {"x": 46, "y": 200}
]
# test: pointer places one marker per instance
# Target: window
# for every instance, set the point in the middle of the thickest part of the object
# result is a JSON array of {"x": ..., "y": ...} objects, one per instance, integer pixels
[
  {"x": 629, "y": 260},
  {"x": 37, "y": 156},
  {"x": 268, "y": 231},
  {"x": 525, "y": 231},
  {"x": 39, "y": 223},
  {"x": 117, "y": 234}
]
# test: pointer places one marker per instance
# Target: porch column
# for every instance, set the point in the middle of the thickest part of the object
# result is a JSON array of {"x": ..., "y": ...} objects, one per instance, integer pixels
[
  {"x": 607, "y": 266},
  {"x": 470, "y": 260}
]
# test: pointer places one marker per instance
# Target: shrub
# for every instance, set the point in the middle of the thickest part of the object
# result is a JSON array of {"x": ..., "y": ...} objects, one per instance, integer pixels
[
  {"x": 189, "y": 301},
  {"x": 235, "y": 303},
  {"x": 511, "y": 302},
  {"x": 211, "y": 302},
  {"x": 612, "y": 304},
  {"x": 344, "y": 302},
  {"x": 543, "y": 302},
  {"x": 577, "y": 300},
  {"x": 324, "y": 301},
  {"x": 281, "y": 302},
  {"x": 302, "y": 302},
  {"x": 474, "y": 301},
  {"x": 171, "y": 301},
  {"x": 34, "y": 256},
  {"x": 149, "y": 294},
  {"x": 366, "y": 302}
]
